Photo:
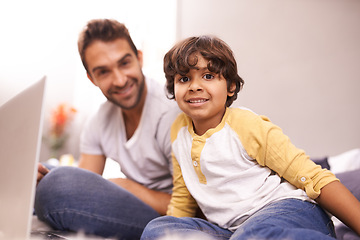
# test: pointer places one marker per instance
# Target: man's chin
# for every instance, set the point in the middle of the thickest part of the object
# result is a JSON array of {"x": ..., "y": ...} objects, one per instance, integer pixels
[{"x": 125, "y": 106}]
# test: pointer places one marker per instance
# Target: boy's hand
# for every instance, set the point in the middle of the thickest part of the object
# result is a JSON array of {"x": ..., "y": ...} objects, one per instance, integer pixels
[{"x": 42, "y": 171}]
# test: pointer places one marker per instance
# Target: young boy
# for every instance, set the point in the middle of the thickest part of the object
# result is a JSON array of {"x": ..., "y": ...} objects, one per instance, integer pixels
[{"x": 239, "y": 168}]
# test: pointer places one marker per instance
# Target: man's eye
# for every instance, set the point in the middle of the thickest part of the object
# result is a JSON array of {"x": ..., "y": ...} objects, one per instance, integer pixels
[
  {"x": 184, "y": 79},
  {"x": 101, "y": 73},
  {"x": 208, "y": 76},
  {"x": 124, "y": 63}
]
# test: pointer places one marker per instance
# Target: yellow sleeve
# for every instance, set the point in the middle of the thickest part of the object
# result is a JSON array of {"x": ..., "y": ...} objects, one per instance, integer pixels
[
  {"x": 266, "y": 143},
  {"x": 182, "y": 204}
]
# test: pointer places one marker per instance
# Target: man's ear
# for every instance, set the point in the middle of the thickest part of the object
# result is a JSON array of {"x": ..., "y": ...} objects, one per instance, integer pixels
[
  {"x": 140, "y": 57},
  {"x": 90, "y": 78}
]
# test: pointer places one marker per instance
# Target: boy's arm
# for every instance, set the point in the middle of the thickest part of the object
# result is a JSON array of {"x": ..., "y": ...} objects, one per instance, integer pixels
[
  {"x": 265, "y": 142},
  {"x": 340, "y": 202},
  {"x": 182, "y": 204}
]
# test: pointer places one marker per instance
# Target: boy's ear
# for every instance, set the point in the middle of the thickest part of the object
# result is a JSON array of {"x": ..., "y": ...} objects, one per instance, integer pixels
[{"x": 231, "y": 91}]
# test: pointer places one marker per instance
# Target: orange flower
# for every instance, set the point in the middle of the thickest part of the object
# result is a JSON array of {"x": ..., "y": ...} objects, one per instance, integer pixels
[{"x": 60, "y": 118}]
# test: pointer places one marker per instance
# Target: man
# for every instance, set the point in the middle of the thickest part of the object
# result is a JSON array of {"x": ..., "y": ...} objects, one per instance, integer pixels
[{"x": 132, "y": 128}]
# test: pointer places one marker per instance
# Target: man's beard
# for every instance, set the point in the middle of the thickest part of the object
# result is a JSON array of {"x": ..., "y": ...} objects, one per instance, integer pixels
[{"x": 140, "y": 92}]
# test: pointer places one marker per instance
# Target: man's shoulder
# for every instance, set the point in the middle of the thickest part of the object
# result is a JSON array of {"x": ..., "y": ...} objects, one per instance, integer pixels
[
  {"x": 157, "y": 101},
  {"x": 157, "y": 92},
  {"x": 104, "y": 112},
  {"x": 170, "y": 116}
]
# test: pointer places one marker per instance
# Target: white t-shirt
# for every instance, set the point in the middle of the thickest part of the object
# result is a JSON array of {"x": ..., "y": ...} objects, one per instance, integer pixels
[
  {"x": 238, "y": 167},
  {"x": 146, "y": 156}
]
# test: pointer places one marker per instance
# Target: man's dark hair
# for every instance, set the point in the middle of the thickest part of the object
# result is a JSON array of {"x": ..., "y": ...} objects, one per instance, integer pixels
[{"x": 105, "y": 30}]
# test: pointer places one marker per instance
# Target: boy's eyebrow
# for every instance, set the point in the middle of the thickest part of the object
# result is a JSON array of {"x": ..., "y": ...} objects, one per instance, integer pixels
[
  {"x": 119, "y": 61},
  {"x": 203, "y": 69}
]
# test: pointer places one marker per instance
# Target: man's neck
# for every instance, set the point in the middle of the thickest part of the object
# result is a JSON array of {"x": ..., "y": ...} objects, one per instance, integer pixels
[{"x": 132, "y": 116}]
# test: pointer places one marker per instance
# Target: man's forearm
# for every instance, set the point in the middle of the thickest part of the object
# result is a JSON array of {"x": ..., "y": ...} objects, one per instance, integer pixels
[{"x": 159, "y": 201}]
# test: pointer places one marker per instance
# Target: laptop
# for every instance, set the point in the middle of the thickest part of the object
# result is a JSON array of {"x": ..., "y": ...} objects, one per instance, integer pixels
[
  {"x": 21, "y": 121},
  {"x": 20, "y": 135}
]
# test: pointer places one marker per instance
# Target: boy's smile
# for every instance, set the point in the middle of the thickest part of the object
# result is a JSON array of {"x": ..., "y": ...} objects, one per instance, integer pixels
[
  {"x": 198, "y": 101},
  {"x": 201, "y": 94}
]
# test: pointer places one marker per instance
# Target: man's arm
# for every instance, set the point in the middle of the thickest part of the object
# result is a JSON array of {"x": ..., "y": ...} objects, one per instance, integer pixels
[
  {"x": 42, "y": 171},
  {"x": 340, "y": 202},
  {"x": 157, "y": 200},
  {"x": 93, "y": 163}
]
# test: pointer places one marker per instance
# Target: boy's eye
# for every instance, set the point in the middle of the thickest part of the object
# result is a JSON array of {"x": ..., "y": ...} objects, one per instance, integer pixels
[
  {"x": 208, "y": 76},
  {"x": 184, "y": 79}
]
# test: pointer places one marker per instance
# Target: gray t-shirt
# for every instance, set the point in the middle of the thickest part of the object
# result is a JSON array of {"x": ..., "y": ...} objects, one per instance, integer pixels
[{"x": 146, "y": 156}]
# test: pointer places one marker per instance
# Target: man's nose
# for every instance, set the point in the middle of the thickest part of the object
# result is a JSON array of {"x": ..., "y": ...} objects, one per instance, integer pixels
[{"x": 119, "y": 78}]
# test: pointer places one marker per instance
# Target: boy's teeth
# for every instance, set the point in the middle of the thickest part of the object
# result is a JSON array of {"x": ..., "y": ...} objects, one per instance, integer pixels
[{"x": 197, "y": 101}]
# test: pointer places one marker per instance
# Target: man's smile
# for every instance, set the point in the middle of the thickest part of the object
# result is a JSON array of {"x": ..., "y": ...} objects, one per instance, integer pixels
[{"x": 123, "y": 90}]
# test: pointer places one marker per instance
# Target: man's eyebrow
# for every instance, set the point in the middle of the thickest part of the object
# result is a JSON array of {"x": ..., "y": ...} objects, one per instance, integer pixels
[
  {"x": 119, "y": 61},
  {"x": 124, "y": 57}
]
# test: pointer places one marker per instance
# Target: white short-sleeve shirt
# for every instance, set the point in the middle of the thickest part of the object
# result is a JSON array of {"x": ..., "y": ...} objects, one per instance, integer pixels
[{"x": 146, "y": 156}]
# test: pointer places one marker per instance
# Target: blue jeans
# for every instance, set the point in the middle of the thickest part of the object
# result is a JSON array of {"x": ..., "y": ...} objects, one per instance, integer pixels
[
  {"x": 73, "y": 199},
  {"x": 284, "y": 219}
]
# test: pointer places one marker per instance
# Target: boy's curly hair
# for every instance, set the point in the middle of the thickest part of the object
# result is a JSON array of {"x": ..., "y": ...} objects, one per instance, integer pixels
[{"x": 180, "y": 59}]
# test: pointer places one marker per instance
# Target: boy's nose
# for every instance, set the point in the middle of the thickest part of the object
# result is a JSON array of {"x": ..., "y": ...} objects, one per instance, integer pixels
[{"x": 195, "y": 85}]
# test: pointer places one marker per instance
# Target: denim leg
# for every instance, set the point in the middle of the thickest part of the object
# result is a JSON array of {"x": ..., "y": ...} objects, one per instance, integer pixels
[
  {"x": 287, "y": 219},
  {"x": 172, "y": 228},
  {"x": 74, "y": 199}
]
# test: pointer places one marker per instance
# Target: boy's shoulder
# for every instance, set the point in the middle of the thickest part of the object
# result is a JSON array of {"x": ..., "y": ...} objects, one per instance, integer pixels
[
  {"x": 181, "y": 121},
  {"x": 241, "y": 117},
  {"x": 240, "y": 113}
]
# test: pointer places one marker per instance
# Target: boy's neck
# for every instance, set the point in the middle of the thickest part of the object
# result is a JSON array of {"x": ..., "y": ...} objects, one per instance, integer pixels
[{"x": 201, "y": 126}]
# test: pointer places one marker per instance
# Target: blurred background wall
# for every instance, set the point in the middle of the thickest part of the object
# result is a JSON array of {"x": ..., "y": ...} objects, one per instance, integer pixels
[{"x": 300, "y": 59}]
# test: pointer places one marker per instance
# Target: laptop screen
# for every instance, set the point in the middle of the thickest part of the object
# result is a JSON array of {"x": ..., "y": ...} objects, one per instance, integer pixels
[{"x": 20, "y": 136}]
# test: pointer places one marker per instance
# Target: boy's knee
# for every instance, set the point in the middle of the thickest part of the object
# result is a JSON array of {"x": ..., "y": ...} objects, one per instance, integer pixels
[{"x": 156, "y": 227}]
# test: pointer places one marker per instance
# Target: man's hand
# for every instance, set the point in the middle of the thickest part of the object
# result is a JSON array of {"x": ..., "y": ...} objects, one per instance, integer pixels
[{"x": 42, "y": 171}]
